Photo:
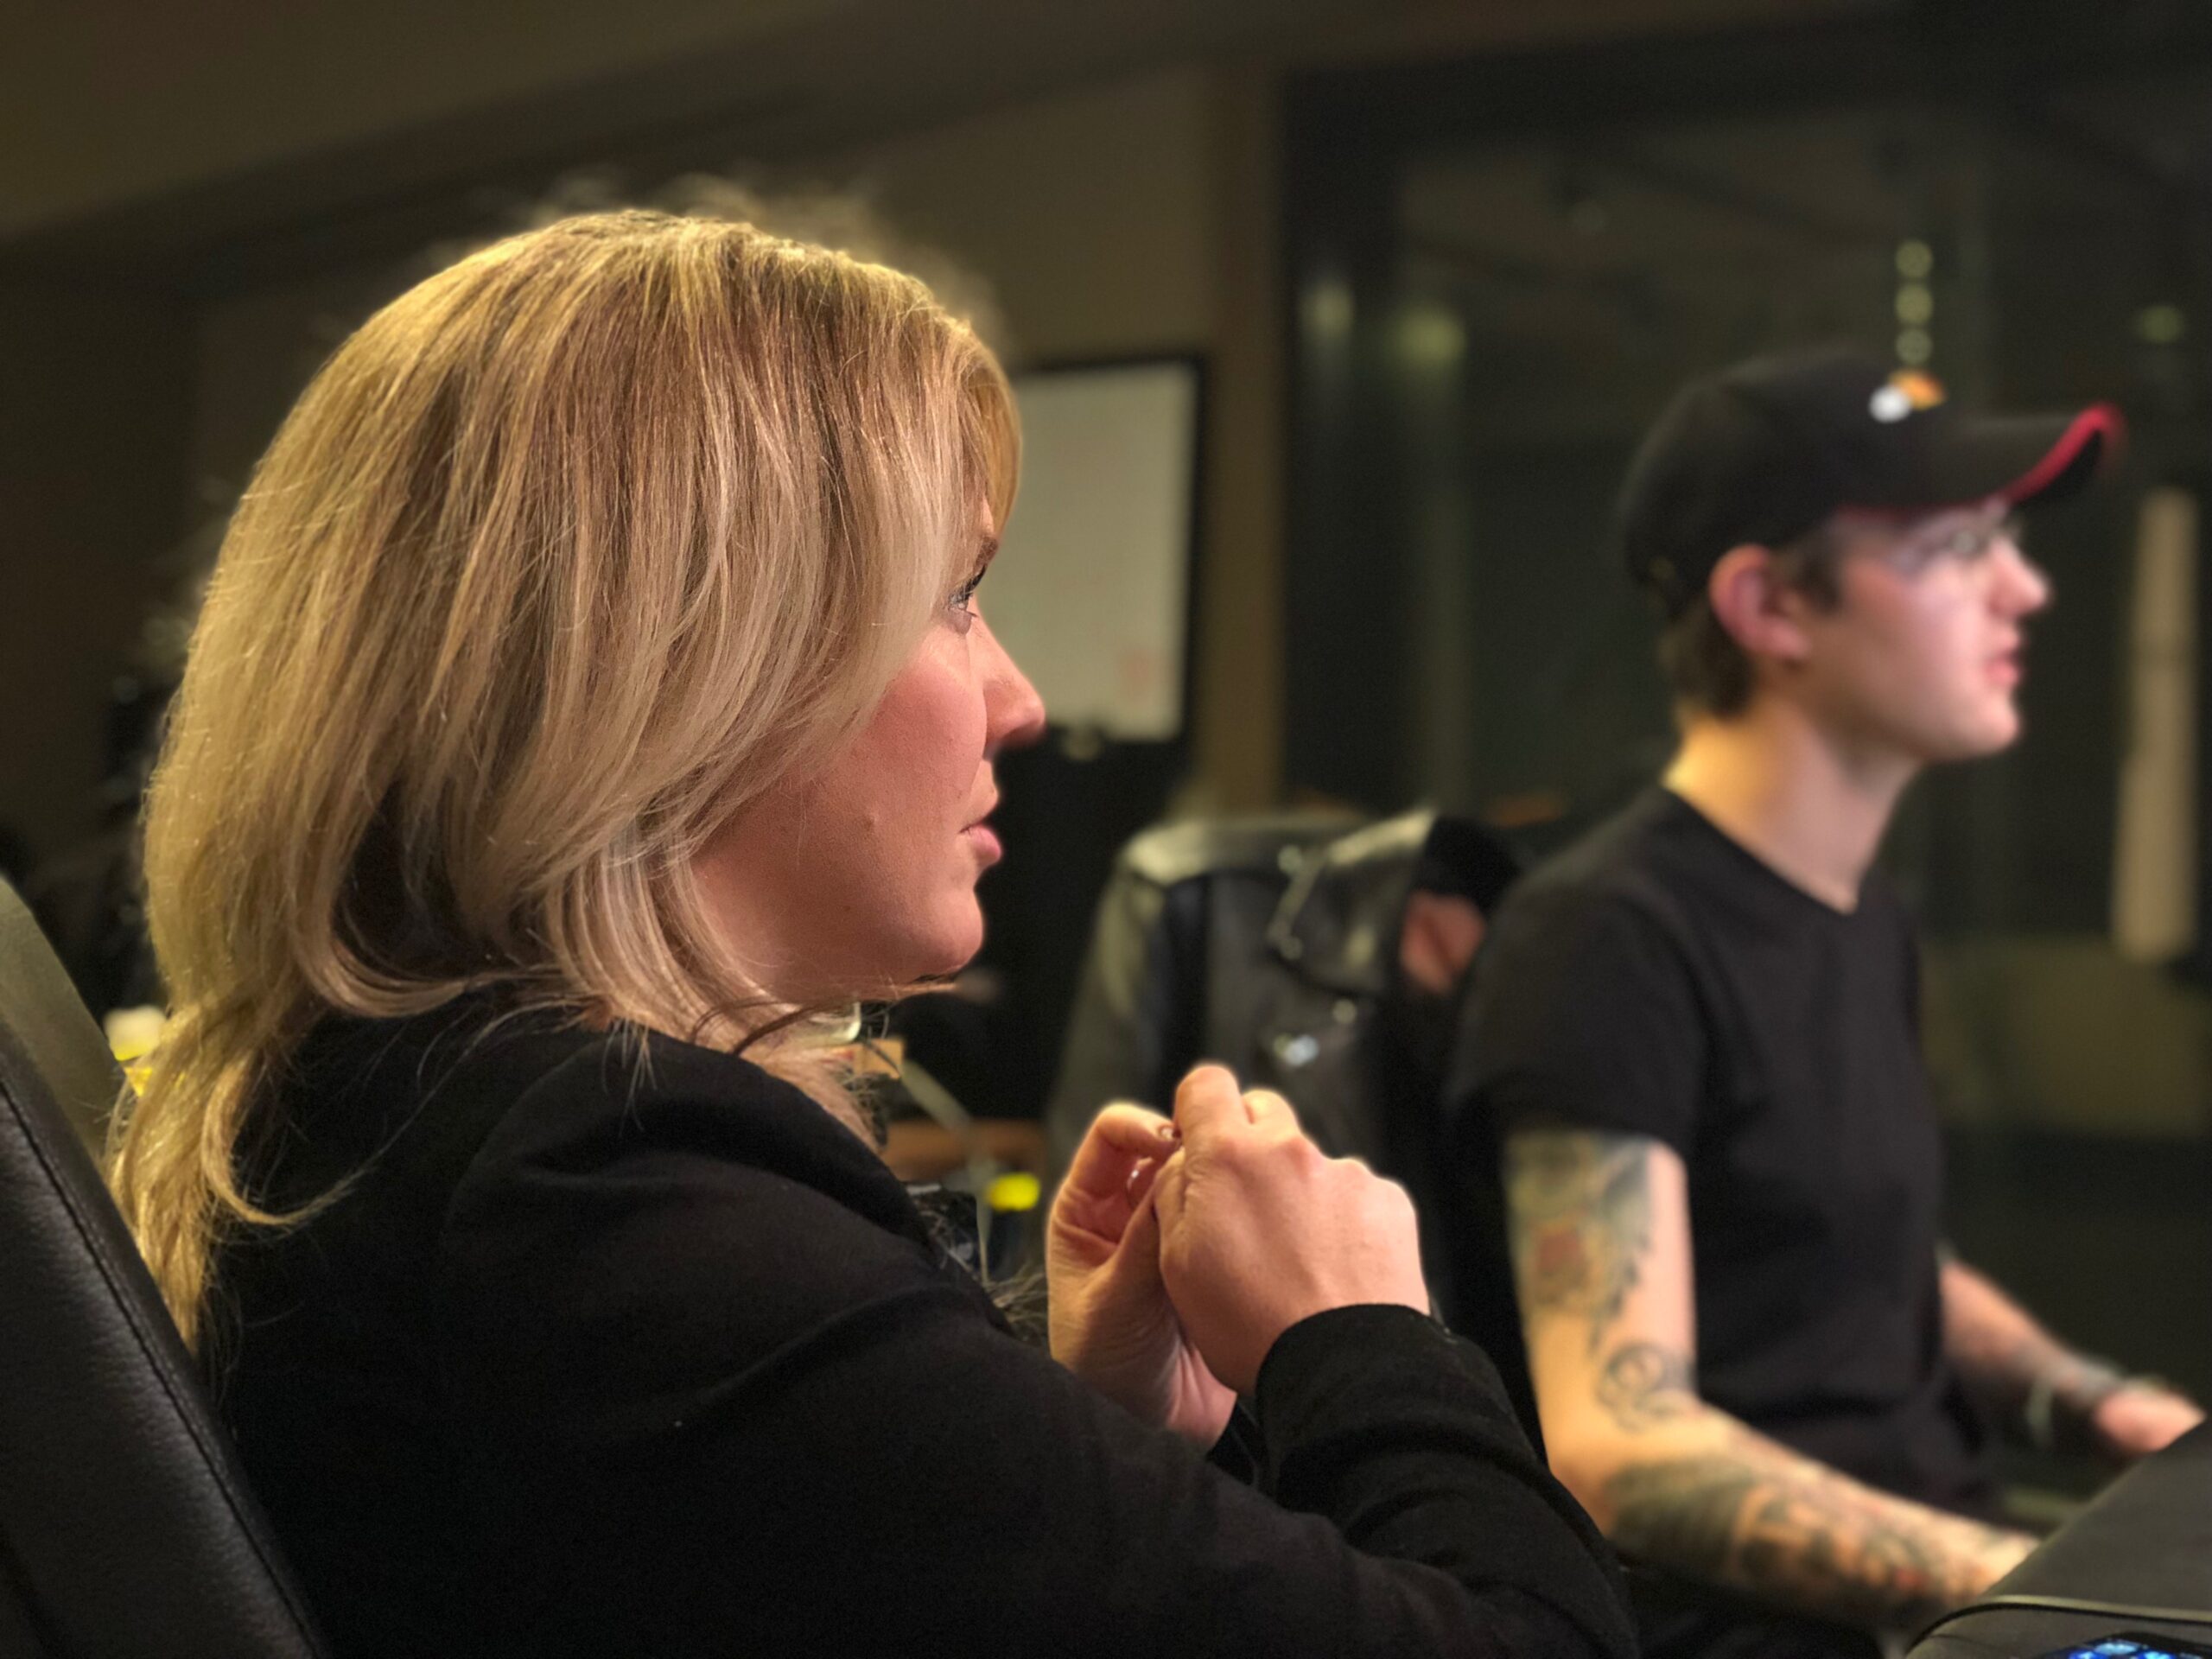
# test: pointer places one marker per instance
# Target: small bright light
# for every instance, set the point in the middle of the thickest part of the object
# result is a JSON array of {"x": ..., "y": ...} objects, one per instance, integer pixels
[
  {"x": 2161, "y": 325},
  {"x": 1432, "y": 336},
  {"x": 1916, "y": 304},
  {"x": 1915, "y": 260},
  {"x": 1914, "y": 347},
  {"x": 1327, "y": 307}
]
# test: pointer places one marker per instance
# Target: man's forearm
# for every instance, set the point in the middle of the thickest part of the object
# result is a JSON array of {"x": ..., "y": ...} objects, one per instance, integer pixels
[
  {"x": 1695, "y": 1491},
  {"x": 1602, "y": 1249},
  {"x": 2033, "y": 1383}
]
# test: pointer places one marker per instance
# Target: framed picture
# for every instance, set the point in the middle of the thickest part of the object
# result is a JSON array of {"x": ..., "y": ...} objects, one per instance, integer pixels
[{"x": 1093, "y": 593}]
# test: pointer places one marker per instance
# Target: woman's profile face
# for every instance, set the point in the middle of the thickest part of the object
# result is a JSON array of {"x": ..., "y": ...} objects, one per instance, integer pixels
[{"x": 864, "y": 871}]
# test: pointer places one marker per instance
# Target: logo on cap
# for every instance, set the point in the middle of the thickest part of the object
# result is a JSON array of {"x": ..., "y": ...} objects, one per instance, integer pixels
[{"x": 1905, "y": 391}]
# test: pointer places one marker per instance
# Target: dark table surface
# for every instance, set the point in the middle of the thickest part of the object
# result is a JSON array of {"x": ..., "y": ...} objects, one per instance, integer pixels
[{"x": 2146, "y": 1541}]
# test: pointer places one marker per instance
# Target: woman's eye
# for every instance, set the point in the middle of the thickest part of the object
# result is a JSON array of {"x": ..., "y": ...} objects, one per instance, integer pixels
[{"x": 962, "y": 603}]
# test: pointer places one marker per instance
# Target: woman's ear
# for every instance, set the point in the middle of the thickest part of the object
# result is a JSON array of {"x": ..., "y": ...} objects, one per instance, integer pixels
[{"x": 1762, "y": 612}]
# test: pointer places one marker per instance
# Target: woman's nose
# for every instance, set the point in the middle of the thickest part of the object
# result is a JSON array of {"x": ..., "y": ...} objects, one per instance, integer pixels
[{"x": 1015, "y": 712}]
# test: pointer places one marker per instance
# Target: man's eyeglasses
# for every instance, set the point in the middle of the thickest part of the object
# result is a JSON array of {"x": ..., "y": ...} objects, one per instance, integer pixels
[{"x": 1963, "y": 543}]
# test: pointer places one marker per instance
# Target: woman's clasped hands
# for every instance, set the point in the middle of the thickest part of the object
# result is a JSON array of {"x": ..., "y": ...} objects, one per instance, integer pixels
[{"x": 1179, "y": 1251}]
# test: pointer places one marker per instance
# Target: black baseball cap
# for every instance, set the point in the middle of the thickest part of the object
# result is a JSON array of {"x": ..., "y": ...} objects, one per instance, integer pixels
[{"x": 1764, "y": 451}]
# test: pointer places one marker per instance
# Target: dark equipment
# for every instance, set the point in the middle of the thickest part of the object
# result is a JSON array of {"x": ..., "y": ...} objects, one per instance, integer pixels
[{"x": 2136, "y": 1565}]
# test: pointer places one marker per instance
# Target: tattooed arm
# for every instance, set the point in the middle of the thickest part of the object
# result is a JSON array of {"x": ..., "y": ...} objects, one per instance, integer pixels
[
  {"x": 2043, "y": 1390},
  {"x": 1601, "y": 1243}
]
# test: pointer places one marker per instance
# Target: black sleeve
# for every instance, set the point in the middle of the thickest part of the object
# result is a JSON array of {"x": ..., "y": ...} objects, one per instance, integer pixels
[
  {"x": 1916, "y": 986},
  {"x": 1583, "y": 1016},
  {"x": 1121, "y": 1025},
  {"x": 712, "y": 1410}
]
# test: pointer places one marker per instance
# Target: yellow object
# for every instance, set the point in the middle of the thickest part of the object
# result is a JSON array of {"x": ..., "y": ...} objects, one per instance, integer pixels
[
  {"x": 1015, "y": 1189},
  {"x": 131, "y": 1035}
]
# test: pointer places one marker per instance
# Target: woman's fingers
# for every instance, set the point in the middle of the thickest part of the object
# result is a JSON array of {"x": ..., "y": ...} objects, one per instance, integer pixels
[
  {"x": 1208, "y": 1104},
  {"x": 1141, "y": 1237},
  {"x": 1165, "y": 1189},
  {"x": 1269, "y": 1109},
  {"x": 1099, "y": 1193},
  {"x": 1137, "y": 1130},
  {"x": 1140, "y": 1180}
]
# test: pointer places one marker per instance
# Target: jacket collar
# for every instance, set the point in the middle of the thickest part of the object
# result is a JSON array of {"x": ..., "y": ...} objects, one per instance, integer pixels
[{"x": 1336, "y": 924}]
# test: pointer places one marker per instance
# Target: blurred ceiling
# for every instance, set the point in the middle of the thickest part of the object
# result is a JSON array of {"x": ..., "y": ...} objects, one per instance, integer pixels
[
  {"x": 137, "y": 136},
  {"x": 1590, "y": 272}
]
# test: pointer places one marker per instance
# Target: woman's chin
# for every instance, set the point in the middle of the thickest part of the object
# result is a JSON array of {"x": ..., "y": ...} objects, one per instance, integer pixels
[{"x": 950, "y": 948}]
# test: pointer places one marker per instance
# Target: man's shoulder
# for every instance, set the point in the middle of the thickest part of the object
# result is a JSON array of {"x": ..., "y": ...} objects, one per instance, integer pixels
[
  {"x": 1588, "y": 1004},
  {"x": 1627, "y": 864}
]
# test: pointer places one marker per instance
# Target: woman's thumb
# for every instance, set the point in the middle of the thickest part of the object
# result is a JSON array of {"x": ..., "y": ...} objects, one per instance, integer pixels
[{"x": 1137, "y": 1255}]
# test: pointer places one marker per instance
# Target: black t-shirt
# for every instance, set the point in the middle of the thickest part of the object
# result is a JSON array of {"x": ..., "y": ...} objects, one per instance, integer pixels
[
  {"x": 615, "y": 1345},
  {"x": 1657, "y": 979}
]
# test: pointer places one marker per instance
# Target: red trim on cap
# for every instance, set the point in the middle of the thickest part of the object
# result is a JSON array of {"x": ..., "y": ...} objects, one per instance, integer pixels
[{"x": 2101, "y": 421}]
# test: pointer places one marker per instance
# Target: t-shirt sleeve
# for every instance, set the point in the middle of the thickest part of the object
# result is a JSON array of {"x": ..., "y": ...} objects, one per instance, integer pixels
[
  {"x": 712, "y": 1409},
  {"x": 1582, "y": 1016}
]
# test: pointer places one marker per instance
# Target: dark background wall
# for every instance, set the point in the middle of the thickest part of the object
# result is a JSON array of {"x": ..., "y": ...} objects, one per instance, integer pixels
[
  {"x": 241, "y": 180},
  {"x": 95, "y": 422}
]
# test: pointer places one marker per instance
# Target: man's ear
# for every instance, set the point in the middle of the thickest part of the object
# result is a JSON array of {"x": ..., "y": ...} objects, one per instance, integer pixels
[{"x": 1761, "y": 612}]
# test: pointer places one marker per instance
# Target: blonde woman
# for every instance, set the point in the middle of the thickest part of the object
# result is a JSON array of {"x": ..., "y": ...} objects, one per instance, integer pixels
[{"x": 591, "y": 702}]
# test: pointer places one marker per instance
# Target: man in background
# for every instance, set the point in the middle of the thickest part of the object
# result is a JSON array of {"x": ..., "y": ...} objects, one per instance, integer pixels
[{"x": 1694, "y": 1035}]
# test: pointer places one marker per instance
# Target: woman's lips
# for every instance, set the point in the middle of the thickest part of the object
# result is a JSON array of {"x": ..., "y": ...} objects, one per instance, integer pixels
[{"x": 985, "y": 841}]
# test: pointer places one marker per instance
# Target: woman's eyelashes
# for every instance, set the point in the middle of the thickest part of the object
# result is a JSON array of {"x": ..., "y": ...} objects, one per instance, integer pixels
[{"x": 962, "y": 605}]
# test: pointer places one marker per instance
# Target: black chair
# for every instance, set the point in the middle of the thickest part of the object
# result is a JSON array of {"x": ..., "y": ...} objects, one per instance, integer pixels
[{"x": 125, "y": 1526}]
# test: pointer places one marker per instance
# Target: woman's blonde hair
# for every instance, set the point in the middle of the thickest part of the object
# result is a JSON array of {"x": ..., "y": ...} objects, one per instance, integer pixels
[{"x": 566, "y": 554}]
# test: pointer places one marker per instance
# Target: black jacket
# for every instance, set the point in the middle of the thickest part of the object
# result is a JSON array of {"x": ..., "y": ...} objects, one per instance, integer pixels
[
  {"x": 1269, "y": 944},
  {"x": 615, "y": 1345}
]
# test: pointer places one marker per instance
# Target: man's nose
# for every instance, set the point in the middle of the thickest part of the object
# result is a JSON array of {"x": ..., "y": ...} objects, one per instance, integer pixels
[{"x": 2023, "y": 587}]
